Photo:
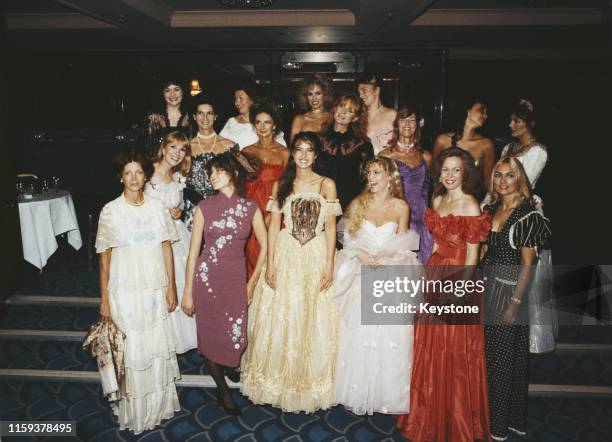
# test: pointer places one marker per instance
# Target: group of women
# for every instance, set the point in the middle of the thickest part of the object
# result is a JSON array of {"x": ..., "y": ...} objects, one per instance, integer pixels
[{"x": 242, "y": 234}]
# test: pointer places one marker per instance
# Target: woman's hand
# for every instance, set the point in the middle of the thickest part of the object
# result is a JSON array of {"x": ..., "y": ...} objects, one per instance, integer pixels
[
  {"x": 368, "y": 260},
  {"x": 105, "y": 312},
  {"x": 271, "y": 276},
  {"x": 171, "y": 299},
  {"x": 327, "y": 278},
  {"x": 250, "y": 289},
  {"x": 187, "y": 303},
  {"x": 510, "y": 313},
  {"x": 176, "y": 213}
]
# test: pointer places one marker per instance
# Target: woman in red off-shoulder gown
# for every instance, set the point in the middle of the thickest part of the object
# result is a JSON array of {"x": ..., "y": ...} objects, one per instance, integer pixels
[{"x": 448, "y": 393}]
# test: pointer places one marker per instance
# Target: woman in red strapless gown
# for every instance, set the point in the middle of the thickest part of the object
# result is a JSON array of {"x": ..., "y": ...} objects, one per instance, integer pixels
[
  {"x": 272, "y": 158},
  {"x": 448, "y": 393}
]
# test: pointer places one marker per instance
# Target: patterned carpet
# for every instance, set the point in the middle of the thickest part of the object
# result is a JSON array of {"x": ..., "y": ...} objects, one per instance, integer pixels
[{"x": 551, "y": 419}]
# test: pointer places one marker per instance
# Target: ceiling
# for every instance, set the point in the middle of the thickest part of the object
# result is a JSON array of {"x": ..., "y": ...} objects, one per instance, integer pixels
[{"x": 467, "y": 28}]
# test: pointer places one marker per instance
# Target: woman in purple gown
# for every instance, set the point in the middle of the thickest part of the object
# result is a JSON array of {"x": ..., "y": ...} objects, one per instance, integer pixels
[
  {"x": 216, "y": 284},
  {"x": 413, "y": 165}
]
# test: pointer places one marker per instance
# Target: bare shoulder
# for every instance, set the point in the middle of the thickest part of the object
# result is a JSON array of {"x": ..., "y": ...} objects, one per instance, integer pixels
[
  {"x": 444, "y": 139},
  {"x": 250, "y": 150},
  {"x": 390, "y": 113},
  {"x": 386, "y": 152},
  {"x": 470, "y": 206},
  {"x": 225, "y": 143},
  {"x": 299, "y": 119},
  {"x": 436, "y": 202},
  {"x": 400, "y": 205},
  {"x": 427, "y": 157},
  {"x": 328, "y": 188},
  {"x": 486, "y": 144}
]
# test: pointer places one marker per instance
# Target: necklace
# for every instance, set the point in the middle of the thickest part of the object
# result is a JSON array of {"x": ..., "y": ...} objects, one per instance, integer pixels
[
  {"x": 523, "y": 147},
  {"x": 207, "y": 137},
  {"x": 140, "y": 203},
  {"x": 405, "y": 147}
]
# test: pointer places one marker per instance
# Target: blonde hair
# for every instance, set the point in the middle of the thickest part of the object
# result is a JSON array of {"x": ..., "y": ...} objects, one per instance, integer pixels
[
  {"x": 524, "y": 187},
  {"x": 182, "y": 141},
  {"x": 356, "y": 210}
]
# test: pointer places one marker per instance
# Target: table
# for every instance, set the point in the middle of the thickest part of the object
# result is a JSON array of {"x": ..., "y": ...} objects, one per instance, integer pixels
[{"x": 44, "y": 217}]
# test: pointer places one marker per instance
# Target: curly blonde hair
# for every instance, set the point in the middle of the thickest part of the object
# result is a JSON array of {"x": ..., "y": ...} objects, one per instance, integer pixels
[{"x": 356, "y": 210}]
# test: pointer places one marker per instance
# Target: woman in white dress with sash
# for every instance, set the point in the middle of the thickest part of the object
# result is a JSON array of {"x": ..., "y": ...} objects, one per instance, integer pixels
[{"x": 171, "y": 165}]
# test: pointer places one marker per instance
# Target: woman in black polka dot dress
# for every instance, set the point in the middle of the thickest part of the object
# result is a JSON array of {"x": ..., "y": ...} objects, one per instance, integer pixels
[{"x": 508, "y": 263}]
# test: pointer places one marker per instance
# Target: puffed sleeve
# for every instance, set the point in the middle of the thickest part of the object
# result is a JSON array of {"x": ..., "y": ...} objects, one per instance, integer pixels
[
  {"x": 272, "y": 205},
  {"x": 531, "y": 230},
  {"x": 106, "y": 236},
  {"x": 477, "y": 228},
  {"x": 333, "y": 207}
]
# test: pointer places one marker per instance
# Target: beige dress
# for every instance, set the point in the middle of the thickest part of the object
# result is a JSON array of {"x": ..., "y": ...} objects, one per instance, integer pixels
[{"x": 293, "y": 330}]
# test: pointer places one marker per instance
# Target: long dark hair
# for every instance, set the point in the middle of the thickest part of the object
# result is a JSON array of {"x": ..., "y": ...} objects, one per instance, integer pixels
[
  {"x": 184, "y": 106},
  {"x": 461, "y": 116},
  {"x": 523, "y": 110},
  {"x": 228, "y": 163},
  {"x": 285, "y": 183},
  {"x": 472, "y": 178}
]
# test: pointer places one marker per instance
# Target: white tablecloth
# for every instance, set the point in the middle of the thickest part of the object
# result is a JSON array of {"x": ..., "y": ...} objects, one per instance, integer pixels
[{"x": 42, "y": 219}]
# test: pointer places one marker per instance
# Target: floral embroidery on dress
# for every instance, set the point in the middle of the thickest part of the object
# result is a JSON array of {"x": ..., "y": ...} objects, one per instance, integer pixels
[
  {"x": 227, "y": 221},
  {"x": 236, "y": 334}
]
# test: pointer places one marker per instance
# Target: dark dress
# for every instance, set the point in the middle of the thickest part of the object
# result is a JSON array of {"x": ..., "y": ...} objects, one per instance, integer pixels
[
  {"x": 157, "y": 125},
  {"x": 416, "y": 193},
  {"x": 220, "y": 294},
  {"x": 507, "y": 346},
  {"x": 448, "y": 390},
  {"x": 198, "y": 184},
  {"x": 343, "y": 160}
]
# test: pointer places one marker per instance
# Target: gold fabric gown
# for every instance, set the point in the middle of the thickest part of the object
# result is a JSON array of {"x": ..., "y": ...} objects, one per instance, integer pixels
[{"x": 293, "y": 330}]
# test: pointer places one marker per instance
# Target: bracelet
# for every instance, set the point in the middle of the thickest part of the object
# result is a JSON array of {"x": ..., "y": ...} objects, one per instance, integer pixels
[{"x": 515, "y": 300}]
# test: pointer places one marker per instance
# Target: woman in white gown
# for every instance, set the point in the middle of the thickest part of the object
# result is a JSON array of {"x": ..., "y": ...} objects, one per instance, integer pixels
[
  {"x": 533, "y": 156},
  {"x": 137, "y": 293},
  {"x": 171, "y": 166},
  {"x": 374, "y": 362}
]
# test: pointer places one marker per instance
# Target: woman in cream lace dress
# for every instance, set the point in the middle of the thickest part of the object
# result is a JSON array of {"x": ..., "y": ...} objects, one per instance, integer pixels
[
  {"x": 138, "y": 293},
  {"x": 293, "y": 323}
]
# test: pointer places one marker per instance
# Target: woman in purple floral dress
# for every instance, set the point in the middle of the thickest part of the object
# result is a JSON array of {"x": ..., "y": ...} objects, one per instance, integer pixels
[{"x": 216, "y": 284}]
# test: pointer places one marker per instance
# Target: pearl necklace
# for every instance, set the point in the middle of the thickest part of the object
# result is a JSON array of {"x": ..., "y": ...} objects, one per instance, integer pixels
[
  {"x": 405, "y": 147},
  {"x": 207, "y": 137}
]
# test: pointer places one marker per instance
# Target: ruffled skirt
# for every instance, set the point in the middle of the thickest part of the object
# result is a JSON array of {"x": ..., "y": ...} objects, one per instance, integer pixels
[
  {"x": 290, "y": 360},
  {"x": 150, "y": 359}
]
